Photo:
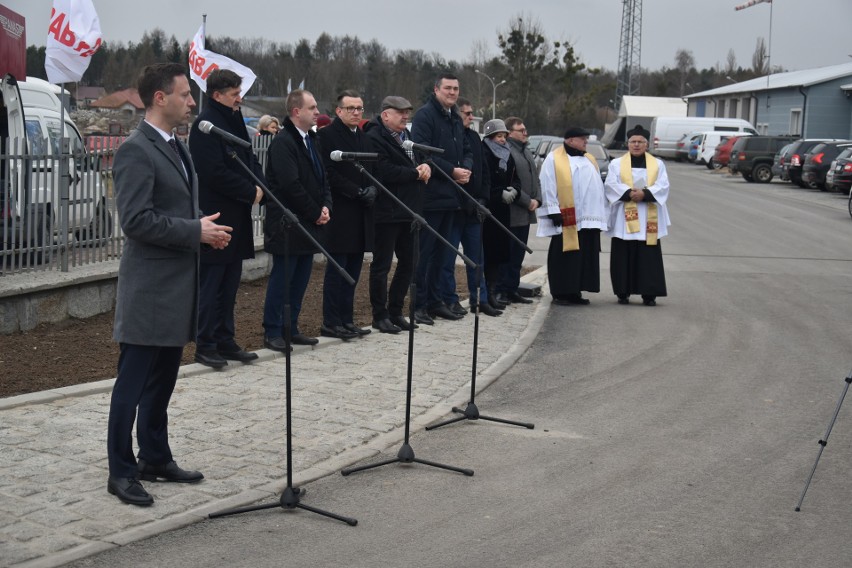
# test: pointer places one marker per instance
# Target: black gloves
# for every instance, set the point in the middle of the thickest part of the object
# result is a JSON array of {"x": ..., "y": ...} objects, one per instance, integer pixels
[
  {"x": 556, "y": 218},
  {"x": 367, "y": 195}
]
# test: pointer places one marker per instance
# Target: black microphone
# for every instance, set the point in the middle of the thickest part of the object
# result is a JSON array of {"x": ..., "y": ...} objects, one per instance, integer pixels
[
  {"x": 338, "y": 156},
  {"x": 207, "y": 127},
  {"x": 410, "y": 145}
]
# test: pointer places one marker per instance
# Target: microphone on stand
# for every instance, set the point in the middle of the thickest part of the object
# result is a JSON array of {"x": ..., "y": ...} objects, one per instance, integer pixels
[
  {"x": 207, "y": 127},
  {"x": 411, "y": 145},
  {"x": 338, "y": 156}
]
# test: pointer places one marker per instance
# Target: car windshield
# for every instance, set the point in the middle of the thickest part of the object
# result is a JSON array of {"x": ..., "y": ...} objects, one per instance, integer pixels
[{"x": 596, "y": 150}]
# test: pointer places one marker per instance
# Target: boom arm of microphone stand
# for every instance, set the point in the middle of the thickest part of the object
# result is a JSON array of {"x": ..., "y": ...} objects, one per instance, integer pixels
[
  {"x": 417, "y": 218},
  {"x": 479, "y": 205},
  {"x": 290, "y": 219}
]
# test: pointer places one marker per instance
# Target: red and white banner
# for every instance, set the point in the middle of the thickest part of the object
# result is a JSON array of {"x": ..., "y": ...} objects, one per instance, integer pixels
[
  {"x": 13, "y": 44},
  {"x": 203, "y": 62},
  {"x": 74, "y": 35}
]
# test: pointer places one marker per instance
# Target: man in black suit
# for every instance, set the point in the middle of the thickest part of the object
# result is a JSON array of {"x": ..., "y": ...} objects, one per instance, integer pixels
[
  {"x": 296, "y": 176},
  {"x": 156, "y": 193},
  {"x": 402, "y": 176},
  {"x": 350, "y": 233},
  {"x": 224, "y": 186}
]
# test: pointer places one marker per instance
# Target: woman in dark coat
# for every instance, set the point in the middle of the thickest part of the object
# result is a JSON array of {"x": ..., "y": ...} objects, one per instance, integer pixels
[{"x": 504, "y": 181}]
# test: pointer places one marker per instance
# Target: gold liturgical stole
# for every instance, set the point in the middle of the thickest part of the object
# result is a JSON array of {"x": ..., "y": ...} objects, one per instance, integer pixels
[
  {"x": 565, "y": 195},
  {"x": 631, "y": 211}
]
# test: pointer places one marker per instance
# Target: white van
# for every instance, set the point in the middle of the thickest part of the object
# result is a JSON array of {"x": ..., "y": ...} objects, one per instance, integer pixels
[
  {"x": 32, "y": 128},
  {"x": 667, "y": 130}
]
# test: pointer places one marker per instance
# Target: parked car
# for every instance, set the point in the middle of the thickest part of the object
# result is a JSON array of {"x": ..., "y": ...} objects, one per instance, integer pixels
[
  {"x": 694, "y": 145},
  {"x": 818, "y": 160},
  {"x": 752, "y": 156},
  {"x": 797, "y": 159},
  {"x": 682, "y": 146},
  {"x": 549, "y": 143},
  {"x": 839, "y": 176},
  {"x": 722, "y": 154},
  {"x": 709, "y": 142},
  {"x": 778, "y": 164}
]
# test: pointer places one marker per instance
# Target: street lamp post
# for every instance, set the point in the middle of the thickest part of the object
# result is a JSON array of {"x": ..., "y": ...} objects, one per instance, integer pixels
[{"x": 493, "y": 93}]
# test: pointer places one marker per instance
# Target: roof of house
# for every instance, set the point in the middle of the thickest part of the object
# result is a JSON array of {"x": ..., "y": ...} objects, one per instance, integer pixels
[
  {"x": 803, "y": 78},
  {"x": 120, "y": 98},
  {"x": 652, "y": 106}
]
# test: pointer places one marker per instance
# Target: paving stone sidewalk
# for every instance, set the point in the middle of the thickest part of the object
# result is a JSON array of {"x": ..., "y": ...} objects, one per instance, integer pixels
[{"x": 348, "y": 404}]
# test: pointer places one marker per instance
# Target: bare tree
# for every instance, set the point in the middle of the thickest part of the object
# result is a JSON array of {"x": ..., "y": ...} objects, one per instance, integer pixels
[
  {"x": 731, "y": 63},
  {"x": 684, "y": 63},
  {"x": 759, "y": 60}
]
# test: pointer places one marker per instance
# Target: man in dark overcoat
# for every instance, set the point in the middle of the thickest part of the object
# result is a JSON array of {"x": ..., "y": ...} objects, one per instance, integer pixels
[
  {"x": 350, "y": 233},
  {"x": 297, "y": 177},
  {"x": 223, "y": 186}
]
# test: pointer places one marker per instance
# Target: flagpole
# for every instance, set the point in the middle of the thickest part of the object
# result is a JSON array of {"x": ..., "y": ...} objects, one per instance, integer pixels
[{"x": 204, "y": 35}]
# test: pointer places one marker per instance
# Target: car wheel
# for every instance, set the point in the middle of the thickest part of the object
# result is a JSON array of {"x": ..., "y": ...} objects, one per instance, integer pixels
[
  {"x": 99, "y": 228},
  {"x": 850, "y": 203},
  {"x": 711, "y": 165},
  {"x": 762, "y": 173},
  {"x": 747, "y": 177}
]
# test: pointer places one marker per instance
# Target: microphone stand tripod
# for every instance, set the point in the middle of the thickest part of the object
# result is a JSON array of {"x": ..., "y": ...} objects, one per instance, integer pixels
[
  {"x": 824, "y": 441},
  {"x": 471, "y": 412},
  {"x": 291, "y": 496},
  {"x": 406, "y": 453}
]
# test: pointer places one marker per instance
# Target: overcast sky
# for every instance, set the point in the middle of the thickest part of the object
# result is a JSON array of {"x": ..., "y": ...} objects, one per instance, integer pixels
[{"x": 805, "y": 33}]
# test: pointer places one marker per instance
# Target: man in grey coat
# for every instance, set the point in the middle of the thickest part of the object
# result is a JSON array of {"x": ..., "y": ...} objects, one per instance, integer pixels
[
  {"x": 156, "y": 192},
  {"x": 521, "y": 211}
]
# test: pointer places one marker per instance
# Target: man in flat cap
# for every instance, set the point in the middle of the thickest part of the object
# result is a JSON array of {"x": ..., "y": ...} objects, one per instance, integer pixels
[
  {"x": 573, "y": 213},
  {"x": 402, "y": 176},
  {"x": 637, "y": 188}
]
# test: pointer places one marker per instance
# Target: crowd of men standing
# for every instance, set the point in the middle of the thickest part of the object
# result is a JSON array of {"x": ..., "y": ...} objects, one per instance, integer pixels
[{"x": 187, "y": 218}]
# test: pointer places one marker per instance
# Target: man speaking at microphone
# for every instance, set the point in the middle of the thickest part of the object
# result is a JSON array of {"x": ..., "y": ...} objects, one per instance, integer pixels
[
  {"x": 156, "y": 194},
  {"x": 350, "y": 232},
  {"x": 224, "y": 186}
]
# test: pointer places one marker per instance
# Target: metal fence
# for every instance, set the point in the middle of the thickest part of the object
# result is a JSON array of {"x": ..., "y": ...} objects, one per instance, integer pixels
[{"x": 57, "y": 205}]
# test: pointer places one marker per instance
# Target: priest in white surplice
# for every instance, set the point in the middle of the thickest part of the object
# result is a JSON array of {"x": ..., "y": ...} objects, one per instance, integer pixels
[
  {"x": 637, "y": 187},
  {"x": 573, "y": 213}
]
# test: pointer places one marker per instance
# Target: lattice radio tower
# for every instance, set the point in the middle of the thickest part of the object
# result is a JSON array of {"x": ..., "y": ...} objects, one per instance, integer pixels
[{"x": 629, "y": 51}]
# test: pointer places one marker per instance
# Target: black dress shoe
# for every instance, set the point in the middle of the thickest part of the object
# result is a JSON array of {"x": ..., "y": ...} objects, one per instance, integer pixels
[
  {"x": 443, "y": 311},
  {"x": 420, "y": 316},
  {"x": 492, "y": 301},
  {"x": 355, "y": 329},
  {"x": 577, "y": 299},
  {"x": 238, "y": 354},
  {"x": 402, "y": 323},
  {"x": 561, "y": 301},
  {"x": 488, "y": 310},
  {"x": 300, "y": 339},
  {"x": 276, "y": 344},
  {"x": 129, "y": 490},
  {"x": 210, "y": 358},
  {"x": 623, "y": 300},
  {"x": 516, "y": 298},
  {"x": 167, "y": 472},
  {"x": 501, "y": 299},
  {"x": 649, "y": 301},
  {"x": 336, "y": 331},
  {"x": 386, "y": 326},
  {"x": 457, "y": 309}
]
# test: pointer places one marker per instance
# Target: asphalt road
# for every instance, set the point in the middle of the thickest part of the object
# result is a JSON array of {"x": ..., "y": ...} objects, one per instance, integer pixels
[{"x": 679, "y": 435}]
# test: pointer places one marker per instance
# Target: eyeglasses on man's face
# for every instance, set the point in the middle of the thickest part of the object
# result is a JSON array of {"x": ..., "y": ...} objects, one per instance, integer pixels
[{"x": 353, "y": 109}]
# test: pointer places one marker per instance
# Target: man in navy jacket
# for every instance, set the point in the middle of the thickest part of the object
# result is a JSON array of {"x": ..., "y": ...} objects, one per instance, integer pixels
[{"x": 438, "y": 124}]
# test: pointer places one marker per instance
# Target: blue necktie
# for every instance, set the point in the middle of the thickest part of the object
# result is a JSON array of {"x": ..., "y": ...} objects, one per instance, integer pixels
[{"x": 314, "y": 158}]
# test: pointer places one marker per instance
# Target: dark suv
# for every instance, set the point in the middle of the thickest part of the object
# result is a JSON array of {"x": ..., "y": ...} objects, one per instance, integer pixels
[
  {"x": 797, "y": 160},
  {"x": 752, "y": 156},
  {"x": 818, "y": 161}
]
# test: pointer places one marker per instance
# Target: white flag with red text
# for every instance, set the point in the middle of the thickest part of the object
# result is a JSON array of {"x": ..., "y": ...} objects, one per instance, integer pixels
[
  {"x": 74, "y": 35},
  {"x": 203, "y": 62}
]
